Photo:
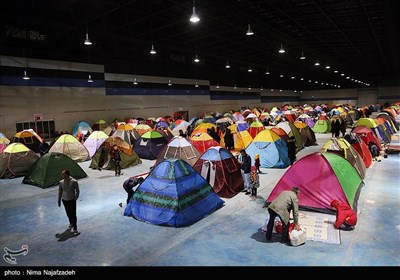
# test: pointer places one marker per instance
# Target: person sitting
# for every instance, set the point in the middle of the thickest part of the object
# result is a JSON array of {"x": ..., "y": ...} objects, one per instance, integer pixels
[{"x": 344, "y": 215}]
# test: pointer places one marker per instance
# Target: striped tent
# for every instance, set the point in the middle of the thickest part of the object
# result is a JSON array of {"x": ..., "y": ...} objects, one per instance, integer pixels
[{"x": 173, "y": 194}]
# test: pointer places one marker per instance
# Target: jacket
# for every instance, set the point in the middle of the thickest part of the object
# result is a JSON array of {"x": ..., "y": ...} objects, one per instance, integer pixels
[
  {"x": 283, "y": 203},
  {"x": 344, "y": 214}
]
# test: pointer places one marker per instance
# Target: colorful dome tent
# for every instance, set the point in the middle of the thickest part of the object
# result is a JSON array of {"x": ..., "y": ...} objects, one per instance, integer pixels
[
  {"x": 271, "y": 148},
  {"x": 292, "y": 130},
  {"x": 183, "y": 125},
  {"x": 45, "y": 172},
  {"x": 102, "y": 158},
  {"x": 392, "y": 123},
  {"x": 241, "y": 136},
  {"x": 94, "y": 141},
  {"x": 369, "y": 122},
  {"x": 81, "y": 128},
  {"x": 150, "y": 144},
  {"x": 102, "y": 125},
  {"x": 222, "y": 170},
  {"x": 127, "y": 133},
  {"x": 203, "y": 128},
  {"x": 16, "y": 160},
  {"x": 173, "y": 194},
  {"x": 29, "y": 138},
  {"x": 281, "y": 133},
  {"x": 223, "y": 123},
  {"x": 3, "y": 142},
  {"x": 384, "y": 130},
  {"x": 323, "y": 125},
  {"x": 343, "y": 148},
  {"x": 367, "y": 135},
  {"x": 361, "y": 148},
  {"x": 335, "y": 178},
  {"x": 203, "y": 141},
  {"x": 255, "y": 128},
  {"x": 307, "y": 134},
  {"x": 179, "y": 148},
  {"x": 70, "y": 146},
  {"x": 143, "y": 128}
]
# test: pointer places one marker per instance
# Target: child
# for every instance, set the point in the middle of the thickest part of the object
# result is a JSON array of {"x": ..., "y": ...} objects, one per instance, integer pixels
[
  {"x": 257, "y": 163},
  {"x": 254, "y": 181}
]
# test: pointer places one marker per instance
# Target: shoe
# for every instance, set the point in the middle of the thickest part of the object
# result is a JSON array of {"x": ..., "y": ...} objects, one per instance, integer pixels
[
  {"x": 99, "y": 169},
  {"x": 76, "y": 231},
  {"x": 120, "y": 205},
  {"x": 70, "y": 227},
  {"x": 248, "y": 193}
]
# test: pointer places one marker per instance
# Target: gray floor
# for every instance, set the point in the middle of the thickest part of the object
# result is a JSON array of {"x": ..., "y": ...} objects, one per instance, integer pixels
[{"x": 231, "y": 236}]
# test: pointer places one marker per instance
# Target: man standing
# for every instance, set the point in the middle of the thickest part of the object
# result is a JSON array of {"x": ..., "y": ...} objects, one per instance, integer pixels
[
  {"x": 116, "y": 158},
  {"x": 245, "y": 162},
  {"x": 285, "y": 202},
  {"x": 68, "y": 192}
]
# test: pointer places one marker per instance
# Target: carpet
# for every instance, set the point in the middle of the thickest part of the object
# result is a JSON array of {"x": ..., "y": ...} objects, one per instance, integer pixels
[{"x": 319, "y": 227}]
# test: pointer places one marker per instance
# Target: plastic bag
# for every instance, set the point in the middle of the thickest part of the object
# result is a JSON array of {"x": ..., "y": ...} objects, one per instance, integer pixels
[{"x": 298, "y": 237}]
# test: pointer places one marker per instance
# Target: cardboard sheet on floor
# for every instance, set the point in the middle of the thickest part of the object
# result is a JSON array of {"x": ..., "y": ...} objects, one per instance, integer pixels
[{"x": 319, "y": 227}]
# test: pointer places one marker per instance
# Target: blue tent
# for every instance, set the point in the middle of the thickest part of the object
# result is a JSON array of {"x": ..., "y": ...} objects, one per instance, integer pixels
[
  {"x": 173, "y": 194},
  {"x": 271, "y": 148}
]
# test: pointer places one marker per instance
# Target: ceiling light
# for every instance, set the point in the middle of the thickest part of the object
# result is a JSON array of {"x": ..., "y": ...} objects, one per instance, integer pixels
[
  {"x": 249, "y": 70},
  {"x": 153, "y": 50},
  {"x": 281, "y": 50},
  {"x": 267, "y": 73},
  {"x": 309, "y": 81},
  {"x": 249, "y": 31},
  {"x": 169, "y": 83},
  {"x": 272, "y": 89},
  {"x": 135, "y": 81},
  {"x": 227, "y": 66},
  {"x": 249, "y": 88},
  {"x": 234, "y": 87},
  {"x": 301, "y": 79},
  {"x": 348, "y": 77},
  {"x": 342, "y": 74},
  {"x": 90, "y": 79},
  {"x": 280, "y": 90},
  {"x": 302, "y": 57},
  {"x": 261, "y": 88},
  {"x": 217, "y": 86},
  {"x": 87, "y": 40},
  {"x": 196, "y": 84},
  {"x": 196, "y": 59},
  {"x": 336, "y": 71},
  {"x": 327, "y": 66},
  {"x": 25, "y": 77},
  {"x": 292, "y": 77},
  {"x": 281, "y": 75},
  {"x": 316, "y": 63},
  {"x": 194, "y": 17}
]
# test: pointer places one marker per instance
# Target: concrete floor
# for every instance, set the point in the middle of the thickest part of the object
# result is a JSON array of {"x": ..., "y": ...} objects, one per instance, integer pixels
[{"x": 231, "y": 236}]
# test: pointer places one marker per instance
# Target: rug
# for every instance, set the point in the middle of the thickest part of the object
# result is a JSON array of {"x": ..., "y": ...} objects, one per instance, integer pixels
[{"x": 319, "y": 227}]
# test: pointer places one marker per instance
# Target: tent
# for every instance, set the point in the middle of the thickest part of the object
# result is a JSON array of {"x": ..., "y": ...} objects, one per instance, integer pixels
[
  {"x": 80, "y": 129},
  {"x": 102, "y": 125},
  {"x": 367, "y": 135},
  {"x": 343, "y": 148},
  {"x": 241, "y": 136},
  {"x": 361, "y": 148},
  {"x": 29, "y": 138},
  {"x": 202, "y": 141},
  {"x": 16, "y": 160},
  {"x": 150, "y": 144},
  {"x": 292, "y": 130},
  {"x": 173, "y": 194},
  {"x": 70, "y": 146},
  {"x": 222, "y": 170},
  {"x": 46, "y": 171},
  {"x": 127, "y": 133},
  {"x": 271, "y": 148},
  {"x": 335, "y": 178},
  {"x": 102, "y": 159},
  {"x": 93, "y": 142},
  {"x": 179, "y": 148},
  {"x": 3, "y": 142},
  {"x": 255, "y": 128},
  {"x": 323, "y": 125},
  {"x": 307, "y": 134}
]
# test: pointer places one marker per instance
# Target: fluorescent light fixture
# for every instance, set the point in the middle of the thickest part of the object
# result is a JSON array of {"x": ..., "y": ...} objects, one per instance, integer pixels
[
  {"x": 316, "y": 63},
  {"x": 194, "y": 17},
  {"x": 196, "y": 59},
  {"x": 227, "y": 66},
  {"x": 302, "y": 57}
]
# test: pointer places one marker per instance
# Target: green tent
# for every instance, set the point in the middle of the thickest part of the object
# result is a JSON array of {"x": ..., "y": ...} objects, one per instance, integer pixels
[
  {"x": 46, "y": 171},
  {"x": 102, "y": 159}
]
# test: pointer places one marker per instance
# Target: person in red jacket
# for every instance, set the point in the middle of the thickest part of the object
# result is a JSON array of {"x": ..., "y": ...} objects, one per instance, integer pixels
[{"x": 344, "y": 215}]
